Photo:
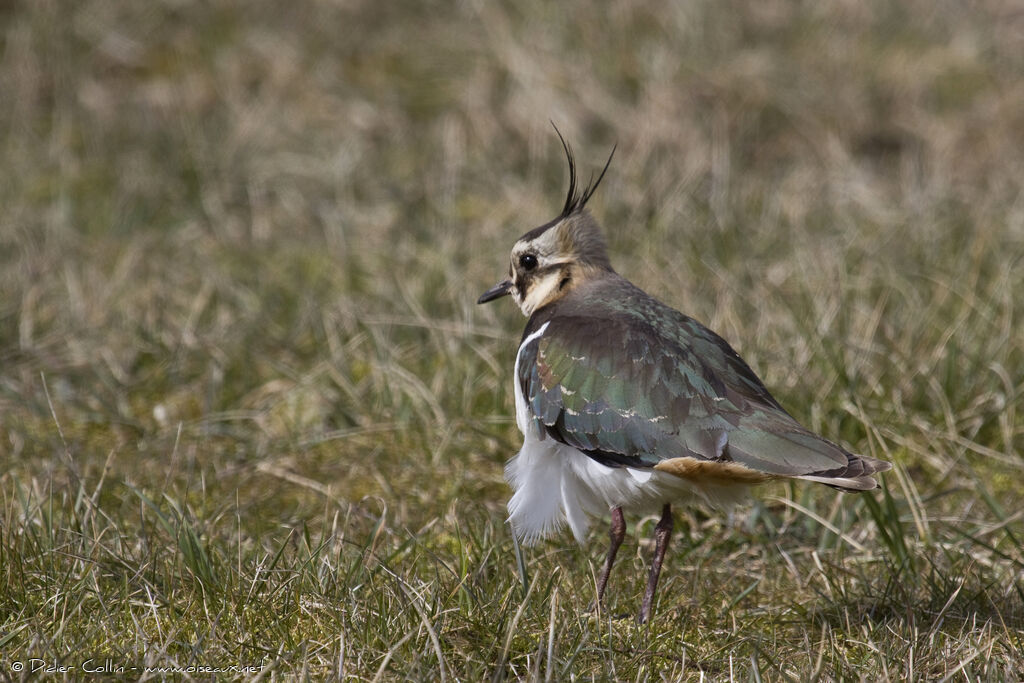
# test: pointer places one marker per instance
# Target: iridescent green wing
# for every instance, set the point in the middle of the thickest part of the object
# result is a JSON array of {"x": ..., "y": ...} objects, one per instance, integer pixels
[{"x": 628, "y": 392}]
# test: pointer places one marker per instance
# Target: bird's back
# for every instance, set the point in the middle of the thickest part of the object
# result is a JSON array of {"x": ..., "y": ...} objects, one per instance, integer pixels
[{"x": 633, "y": 382}]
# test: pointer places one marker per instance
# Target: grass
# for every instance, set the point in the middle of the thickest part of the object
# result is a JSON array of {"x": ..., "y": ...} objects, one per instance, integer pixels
[{"x": 251, "y": 417}]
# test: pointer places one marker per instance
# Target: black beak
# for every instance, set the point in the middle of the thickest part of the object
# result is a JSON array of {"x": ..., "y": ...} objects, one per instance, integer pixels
[{"x": 496, "y": 292}]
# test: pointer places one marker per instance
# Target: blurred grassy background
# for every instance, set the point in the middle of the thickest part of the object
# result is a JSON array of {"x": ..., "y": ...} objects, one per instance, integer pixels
[{"x": 249, "y": 412}]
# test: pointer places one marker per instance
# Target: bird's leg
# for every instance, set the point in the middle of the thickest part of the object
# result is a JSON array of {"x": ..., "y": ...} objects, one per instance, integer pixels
[
  {"x": 618, "y": 532},
  {"x": 662, "y": 534}
]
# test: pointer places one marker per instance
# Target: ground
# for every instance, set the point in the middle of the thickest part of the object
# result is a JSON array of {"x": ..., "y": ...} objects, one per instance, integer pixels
[{"x": 251, "y": 417}]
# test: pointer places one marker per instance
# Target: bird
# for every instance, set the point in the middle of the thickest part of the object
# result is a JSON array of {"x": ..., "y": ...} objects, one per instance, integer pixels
[{"x": 627, "y": 404}]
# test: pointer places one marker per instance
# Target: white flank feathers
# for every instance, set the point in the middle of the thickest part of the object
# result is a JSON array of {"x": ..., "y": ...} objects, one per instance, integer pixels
[{"x": 555, "y": 484}]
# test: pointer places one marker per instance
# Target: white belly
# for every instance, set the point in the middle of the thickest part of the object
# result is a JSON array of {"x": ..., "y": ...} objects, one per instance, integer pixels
[{"x": 554, "y": 483}]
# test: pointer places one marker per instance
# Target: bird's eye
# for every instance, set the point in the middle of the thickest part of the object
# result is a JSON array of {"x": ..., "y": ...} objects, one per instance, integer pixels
[{"x": 528, "y": 261}]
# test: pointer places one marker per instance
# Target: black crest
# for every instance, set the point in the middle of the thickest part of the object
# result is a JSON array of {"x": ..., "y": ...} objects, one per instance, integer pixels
[{"x": 576, "y": 198}]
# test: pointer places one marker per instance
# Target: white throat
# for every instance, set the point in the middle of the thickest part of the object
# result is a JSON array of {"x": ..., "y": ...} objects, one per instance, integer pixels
[{"x": 540, "y": 292}]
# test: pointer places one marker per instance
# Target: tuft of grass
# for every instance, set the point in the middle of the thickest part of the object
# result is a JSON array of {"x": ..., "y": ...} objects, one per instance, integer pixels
[{"x": 253, "y": 425}]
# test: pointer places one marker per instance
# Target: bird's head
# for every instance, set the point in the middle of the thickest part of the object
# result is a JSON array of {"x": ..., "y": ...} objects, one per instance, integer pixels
[{"x": 549, "y": 261}]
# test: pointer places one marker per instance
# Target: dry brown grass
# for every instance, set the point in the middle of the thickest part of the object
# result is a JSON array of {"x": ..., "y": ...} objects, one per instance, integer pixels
[{"x": 249, "y": 413}]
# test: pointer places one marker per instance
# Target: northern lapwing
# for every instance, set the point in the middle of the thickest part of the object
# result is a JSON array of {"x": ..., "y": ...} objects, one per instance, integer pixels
[{"x": 627, "y": 404}]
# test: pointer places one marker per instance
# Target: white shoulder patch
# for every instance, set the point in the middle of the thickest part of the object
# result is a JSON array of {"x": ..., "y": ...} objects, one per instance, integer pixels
[{"x": 523, "y": 415}]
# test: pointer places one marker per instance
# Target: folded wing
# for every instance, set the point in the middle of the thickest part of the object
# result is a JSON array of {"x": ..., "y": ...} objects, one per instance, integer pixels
[{"x": 628, "y": 394}]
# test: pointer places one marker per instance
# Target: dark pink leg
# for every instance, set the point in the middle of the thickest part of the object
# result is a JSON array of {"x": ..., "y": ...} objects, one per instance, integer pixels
[
  {"x": 662, "y": 534},
  {"x": 618, "y": 532}
]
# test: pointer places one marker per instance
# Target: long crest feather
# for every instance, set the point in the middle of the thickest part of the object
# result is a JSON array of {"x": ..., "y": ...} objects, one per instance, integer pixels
[{"x": 575, "y": 198}]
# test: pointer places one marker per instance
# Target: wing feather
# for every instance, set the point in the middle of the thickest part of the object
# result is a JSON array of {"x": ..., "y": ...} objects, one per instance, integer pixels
[{"x": 628, "y": 393}]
